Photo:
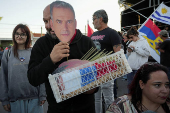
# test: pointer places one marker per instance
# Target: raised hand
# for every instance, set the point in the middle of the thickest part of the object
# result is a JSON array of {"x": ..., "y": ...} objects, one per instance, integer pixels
[
  {"x": 59, "y": 51},
  {"x": 7, "y": 107}
]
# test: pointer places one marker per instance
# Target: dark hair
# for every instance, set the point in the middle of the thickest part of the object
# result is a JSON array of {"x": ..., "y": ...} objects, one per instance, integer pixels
[
  {"x": 132, "y": 31},
  {"x": 60, "y": 4},
  {"x": 143, "y": 74},
  {"x": 24, "y": 29},
  {"x": 101, "y": 13}
]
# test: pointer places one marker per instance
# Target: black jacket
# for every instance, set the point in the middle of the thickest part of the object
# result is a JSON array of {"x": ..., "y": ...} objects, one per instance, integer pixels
[{"x": 40, "y": 66}]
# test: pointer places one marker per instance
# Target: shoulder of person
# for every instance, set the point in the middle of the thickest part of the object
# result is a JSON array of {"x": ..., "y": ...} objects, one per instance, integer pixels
[
  {"x": 142, "y": 39},
  {"x": 43, "y": 40},
  {"x": 46, "y": 36},
  {"x": 95, "y": 32},
  {"x": 6, "y": 51},
  {"x": 167, "y": 40},
  {"x": 85, "y": 37},
  {"x": 112, "y": 30},
  {"x": 168, "y": 103},
  {"x": 122, "y": 99}
]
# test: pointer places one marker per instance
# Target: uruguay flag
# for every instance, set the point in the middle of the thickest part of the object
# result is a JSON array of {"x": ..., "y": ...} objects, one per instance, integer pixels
[
  {"x": 162, "y": 14},
  {"x": 150, "y": 31}
]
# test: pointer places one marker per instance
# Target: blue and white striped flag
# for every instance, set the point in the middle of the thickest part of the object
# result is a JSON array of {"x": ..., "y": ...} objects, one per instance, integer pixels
[{"x": 162, "y": 14}]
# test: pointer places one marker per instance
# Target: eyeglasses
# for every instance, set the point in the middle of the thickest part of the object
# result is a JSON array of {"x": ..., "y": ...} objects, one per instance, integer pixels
[{"x": 21, "y": 35}]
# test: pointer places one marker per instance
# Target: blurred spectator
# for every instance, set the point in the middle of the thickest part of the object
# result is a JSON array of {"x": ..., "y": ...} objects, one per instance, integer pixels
[
  {"x": 167, "y": 29},
  {"x": 164, "y": 50},
  {"x": 125, "y": 42},
  {"x": 120, "y": 34},
  {"x": 8, "y": 47}
]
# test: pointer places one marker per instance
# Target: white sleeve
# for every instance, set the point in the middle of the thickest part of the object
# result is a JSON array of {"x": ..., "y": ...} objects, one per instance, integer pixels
[{"x": 144, "y": 50}]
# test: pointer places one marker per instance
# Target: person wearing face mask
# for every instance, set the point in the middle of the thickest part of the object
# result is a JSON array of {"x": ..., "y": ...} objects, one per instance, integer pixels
[
  {"x": 17, "y": 94},
  {"x": 50, "y": 51},
  {"x": 138, "y": 52}
]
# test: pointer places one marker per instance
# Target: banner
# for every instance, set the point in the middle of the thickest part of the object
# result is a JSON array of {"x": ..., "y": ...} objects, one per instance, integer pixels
[
  {"x": 89, "y": 31},
  {"x": 150, "y": 31},
  {"x": 161, "y": 14}
]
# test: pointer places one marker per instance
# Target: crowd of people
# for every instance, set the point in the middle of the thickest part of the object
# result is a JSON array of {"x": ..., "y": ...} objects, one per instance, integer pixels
[{"x": 24, "y": 83}]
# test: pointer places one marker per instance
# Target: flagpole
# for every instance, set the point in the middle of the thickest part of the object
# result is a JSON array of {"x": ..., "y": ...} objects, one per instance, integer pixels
[
  {"x": 87, "y": 26},
  {"x": 85, "y": 31}
]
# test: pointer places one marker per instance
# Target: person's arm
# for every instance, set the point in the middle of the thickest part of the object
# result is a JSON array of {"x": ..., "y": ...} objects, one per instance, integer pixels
[
  {"x": 157, "y": 46},
  {"x": 42, "y": 94},
  {"x": 4, "y": 82},
  {"x": 117, "y": 48},
  {"x": 163, "y": 47},
  {"x": 40, "y": 65},
  {"x": 129, "y": 50},
  {"x": 144, "y": 50},
  {"x": 162, "y": 51},
  {"x": 117, "y": 106}
]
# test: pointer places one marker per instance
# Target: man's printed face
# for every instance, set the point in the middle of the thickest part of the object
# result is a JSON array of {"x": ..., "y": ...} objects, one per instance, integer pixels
[{"x": 63, "y": 24}]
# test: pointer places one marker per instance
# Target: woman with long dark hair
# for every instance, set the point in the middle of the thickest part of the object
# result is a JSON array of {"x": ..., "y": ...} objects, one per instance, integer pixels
[
  {"x": 17, "y": 94},
  {"x": 149, "y": 92}
]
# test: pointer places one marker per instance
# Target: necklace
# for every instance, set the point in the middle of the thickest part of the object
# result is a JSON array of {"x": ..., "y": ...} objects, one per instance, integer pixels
[{"x": 145, "y": 108}]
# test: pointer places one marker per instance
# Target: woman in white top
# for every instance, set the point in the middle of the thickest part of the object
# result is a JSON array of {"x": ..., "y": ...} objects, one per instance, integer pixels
[{"x": 137, "y": 52}]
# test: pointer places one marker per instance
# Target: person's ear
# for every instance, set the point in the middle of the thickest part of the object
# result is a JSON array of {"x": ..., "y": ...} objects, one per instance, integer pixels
[
  {"x": 141, "y": 84},
  {"x": 51, "y": 24},
  {"x": 100, "y": 19}
]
